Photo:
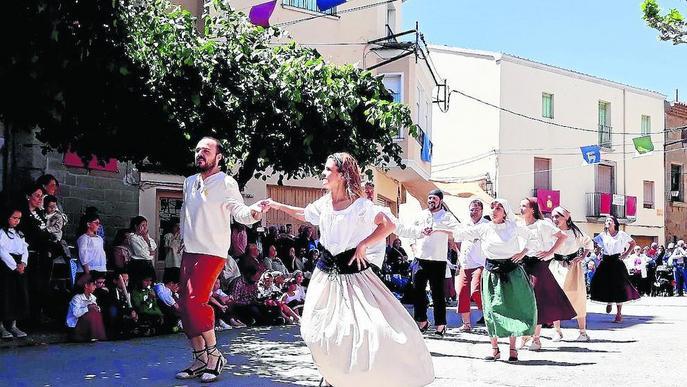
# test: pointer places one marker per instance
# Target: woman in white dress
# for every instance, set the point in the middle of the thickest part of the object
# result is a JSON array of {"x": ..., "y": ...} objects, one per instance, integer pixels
[
  {"x": 358, "y": 333},
  {"x": 508, "y": 299},
  {"x": 568, "y": 270},
  {"x": 611, "y": 282}
]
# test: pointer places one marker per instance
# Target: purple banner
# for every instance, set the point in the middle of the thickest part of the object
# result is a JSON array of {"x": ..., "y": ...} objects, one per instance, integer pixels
[{"x": 260, "y": 14}]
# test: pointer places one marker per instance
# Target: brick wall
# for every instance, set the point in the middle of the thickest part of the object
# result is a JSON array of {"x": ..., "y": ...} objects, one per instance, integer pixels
[{"x": 675, "y": 212}]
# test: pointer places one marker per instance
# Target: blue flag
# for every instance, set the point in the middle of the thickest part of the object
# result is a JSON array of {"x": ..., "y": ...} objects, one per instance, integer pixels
[
  {"x": 591, "y": 154},
  {"x": 324, "y": 5}
]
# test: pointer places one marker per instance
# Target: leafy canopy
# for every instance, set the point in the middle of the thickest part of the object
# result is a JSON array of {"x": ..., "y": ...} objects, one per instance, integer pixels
[
  {"x": 671, "y": 25},
  {"x": 137, "y": 80}
]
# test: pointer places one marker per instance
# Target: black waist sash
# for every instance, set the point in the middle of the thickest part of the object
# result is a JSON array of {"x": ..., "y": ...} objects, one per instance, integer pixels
[
  {"x": 610, "y": 257},
  {"x": 500, "y": 267},
  {"x": 337, "y": 264},
  {"x": 565, "y": 258}
]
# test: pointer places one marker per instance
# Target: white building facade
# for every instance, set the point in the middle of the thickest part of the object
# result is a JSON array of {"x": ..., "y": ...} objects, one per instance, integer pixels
[{"x": 490, "y": 141}]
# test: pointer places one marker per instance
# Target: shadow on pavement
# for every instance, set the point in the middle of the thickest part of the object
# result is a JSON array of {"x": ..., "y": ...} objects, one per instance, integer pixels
[{"x": 549, "y": 363}]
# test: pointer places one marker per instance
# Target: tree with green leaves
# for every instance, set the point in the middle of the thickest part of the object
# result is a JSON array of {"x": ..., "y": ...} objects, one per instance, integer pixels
[
  {"x": 671, "y": 25},
  {"x": 137, "y": 80}
]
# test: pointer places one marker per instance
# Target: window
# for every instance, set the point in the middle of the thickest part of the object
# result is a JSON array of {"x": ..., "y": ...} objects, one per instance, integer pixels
[
  {"x": 605, "y": 179},
  {"x": 547, "y": 105},
  {"x": 310, "y": 5},
  {"x": 676, "y": 194},
  {"x": 605, "y": 124},
  {"x": 542, "y": 173},
  {"x": 394, "y": 84},
  {"x": 646, "y": 125},
  {"x": 391, "y": 17},
  {"x": 648, "y": 194}
]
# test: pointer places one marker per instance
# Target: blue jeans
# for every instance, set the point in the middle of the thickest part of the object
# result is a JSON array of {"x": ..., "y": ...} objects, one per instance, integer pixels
[{"x": 679, "y": 275}]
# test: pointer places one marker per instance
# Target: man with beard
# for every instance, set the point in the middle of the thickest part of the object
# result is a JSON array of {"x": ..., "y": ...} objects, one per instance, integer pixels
[
  {"x": 432, "y": 229},
  {"x": 211, "y": 199}
]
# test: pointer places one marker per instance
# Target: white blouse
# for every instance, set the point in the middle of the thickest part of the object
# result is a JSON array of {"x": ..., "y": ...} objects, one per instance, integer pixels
[
  {"x": 140, "y": 249},
  {"x": 78, "y": 307},
  {"x": 572, "y": 243},
  {"x": 499, "y": 241},
  {"x": 471, "y": 255},
  {"x": 544, "y": 232},
  {"x": 92, "y": 252},
  {"x": 12, "y": 243},
  {"x": 433, "y": 247},
  {"x": 344, "y": 229},
  {"x": 611, "y": 245}
]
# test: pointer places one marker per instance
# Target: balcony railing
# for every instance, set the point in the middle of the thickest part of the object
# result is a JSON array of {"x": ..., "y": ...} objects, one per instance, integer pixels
[
  {"x": 605, "y": 136},
  {"x": 310, "y": 5},
  {"x": 600, "y": 204}
]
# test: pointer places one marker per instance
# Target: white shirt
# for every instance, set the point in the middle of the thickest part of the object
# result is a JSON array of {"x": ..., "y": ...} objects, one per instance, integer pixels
[
  {"x": 499, "y": 241},
  {"x": 231, "y": 270},
  {"x": 206, "y": 213},
  {"x": 173, "y": 245},
  {"x": 544, "y": 236},
  {"x": 78, "y": 306},
  {"x": 677, "y": 257},
  {"x": 12, "y": 243},
  {"x": 92, "y": 252},
  {"x": 611, "y": 245},
  {"x": 345, "y": 229},
  {"x": 471, "y": 255},
  {"x": 433, "y": 247},
  {"x": 572, "y": 243},
  {"x": 140, "y": 249}
]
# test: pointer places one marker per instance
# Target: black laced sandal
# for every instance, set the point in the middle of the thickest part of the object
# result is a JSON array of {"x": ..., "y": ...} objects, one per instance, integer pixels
[
  {"x": 190, "y": 373},
  {"x": 496, "y": 355},
  {"x": 210, "y": 375}
]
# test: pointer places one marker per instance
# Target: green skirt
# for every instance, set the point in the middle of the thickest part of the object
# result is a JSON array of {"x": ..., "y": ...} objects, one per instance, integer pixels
[{"x": 509, "y": 306}]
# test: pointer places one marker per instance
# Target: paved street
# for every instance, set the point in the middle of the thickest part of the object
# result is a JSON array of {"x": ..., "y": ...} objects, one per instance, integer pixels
[{"x": 647, "y": 349}]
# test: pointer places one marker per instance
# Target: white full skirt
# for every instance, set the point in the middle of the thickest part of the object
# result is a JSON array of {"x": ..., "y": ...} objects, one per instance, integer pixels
[{"x": 360, "y": 335}]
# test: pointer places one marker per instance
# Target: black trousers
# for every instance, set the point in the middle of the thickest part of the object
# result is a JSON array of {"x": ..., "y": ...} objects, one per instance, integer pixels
[{"x": 434, "y": 273}]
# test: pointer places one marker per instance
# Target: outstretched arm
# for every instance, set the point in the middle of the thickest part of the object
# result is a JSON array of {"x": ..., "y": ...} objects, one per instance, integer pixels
[{"x": 293, "y": 211}]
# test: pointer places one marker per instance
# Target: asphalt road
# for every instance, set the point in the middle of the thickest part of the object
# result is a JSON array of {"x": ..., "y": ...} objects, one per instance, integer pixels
[{"x": 648, "y": 348}]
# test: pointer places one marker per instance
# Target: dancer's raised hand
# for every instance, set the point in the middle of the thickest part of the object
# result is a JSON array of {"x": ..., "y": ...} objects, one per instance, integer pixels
[{"x": 359, "y": 258}]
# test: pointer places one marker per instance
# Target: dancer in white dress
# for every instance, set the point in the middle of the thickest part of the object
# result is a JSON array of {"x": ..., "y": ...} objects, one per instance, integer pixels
[{"x": 357, "y": 331}]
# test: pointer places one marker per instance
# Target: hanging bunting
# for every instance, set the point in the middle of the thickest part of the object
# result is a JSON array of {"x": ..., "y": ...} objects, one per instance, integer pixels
[
  {"x": 643, "y": 144},
  {"x": 260, "y": 13},
  {"x": 324, "y": 5},
  {"x": 591, "y": 154}
]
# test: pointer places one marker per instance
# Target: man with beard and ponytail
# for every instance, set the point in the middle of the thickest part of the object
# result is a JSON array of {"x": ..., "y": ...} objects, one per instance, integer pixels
[
  {"x": 432, "y": 229},
  {"x": 211, "y": 199}
]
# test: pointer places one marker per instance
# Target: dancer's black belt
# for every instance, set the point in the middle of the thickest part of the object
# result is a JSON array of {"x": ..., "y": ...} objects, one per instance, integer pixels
[
  {"x": 500, "y": 267},
  {"x": 337, "y": 264},
  {"x": 564, "y": 258},
  {"x": 528, "y": 260},
  {"x": 611, "y": 257}
]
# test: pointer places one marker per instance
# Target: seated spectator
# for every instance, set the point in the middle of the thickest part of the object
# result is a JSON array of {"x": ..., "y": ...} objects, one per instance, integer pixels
[
  {"x": 84, "y": 320},
  {"x": 293, "y": 298},
  {"x": 273, "y": 262},
  {"x": 247, "y": 306},
  {"x": 167, "y": 297},
  {"x": 229, "y": 273},
  {"x": 14, "y": 293},
  {"x": 91, "y": 247},
  {"x": 56, "y": 220},
  {"x": 252, "y": 259},
  {"x": 271, "y": 292},
  {"x": 121, "y": 253},
  {"x": 222, "y": 305},
  {"x": 143, "y": 249},
  {"x": 309, "y": 265},
  {"x": 296, "y": 261},
  {"x": 239, "y": 240},
  {"x": 279, "y": 282},
  {"x": 121, "y": 319},
  {"x": 397, "y": 258},
  {"x": 101, "y": 291},
  {"x": 144, "y": 301},
  {"x": 300, "y": 288}
]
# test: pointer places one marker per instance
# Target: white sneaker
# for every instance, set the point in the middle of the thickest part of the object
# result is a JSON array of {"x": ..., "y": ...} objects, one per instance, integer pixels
[
  {"x": 558, "y": 336},
  {"x": 535, "y": 345},
  {"x": 222, "y": 325},
  {"x": 18, "y": 333},
  {"x": 583, "y": 337}
]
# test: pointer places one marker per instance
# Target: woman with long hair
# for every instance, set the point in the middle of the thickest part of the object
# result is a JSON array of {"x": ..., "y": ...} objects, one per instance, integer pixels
[
  {"x": 356, "y": 330},
  {"x": 611, "y": 282},
  {"x": 14, "y": 293},
  {"x": 552, "y": 303},
  {"x": 508, "y": 301},
  {"x": 567, "y": 267}
]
